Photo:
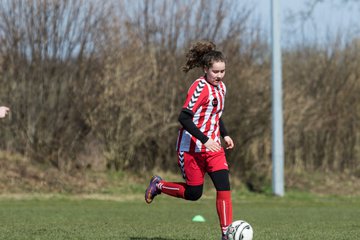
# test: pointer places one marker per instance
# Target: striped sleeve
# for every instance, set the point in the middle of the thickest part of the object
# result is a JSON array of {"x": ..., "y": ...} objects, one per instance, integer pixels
[{"x": 196, "y": 95}]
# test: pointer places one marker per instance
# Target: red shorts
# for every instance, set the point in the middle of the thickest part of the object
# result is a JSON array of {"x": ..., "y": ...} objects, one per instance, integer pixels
[{"x": 194, "y": 165}]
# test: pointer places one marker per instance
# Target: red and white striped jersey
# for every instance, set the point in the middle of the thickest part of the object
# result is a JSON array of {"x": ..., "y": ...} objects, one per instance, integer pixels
[{"x": 206, "y": 101}]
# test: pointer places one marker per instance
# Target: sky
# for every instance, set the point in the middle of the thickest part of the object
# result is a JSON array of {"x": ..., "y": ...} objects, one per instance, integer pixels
[{"x": 328, "y": 18}]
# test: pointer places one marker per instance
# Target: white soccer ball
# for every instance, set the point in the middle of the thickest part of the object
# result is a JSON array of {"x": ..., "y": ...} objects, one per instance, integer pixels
[{"x": 240, "y": 230}]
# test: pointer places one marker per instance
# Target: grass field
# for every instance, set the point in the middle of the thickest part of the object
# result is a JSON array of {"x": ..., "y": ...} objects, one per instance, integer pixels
[{"x": 295, "y": 216}]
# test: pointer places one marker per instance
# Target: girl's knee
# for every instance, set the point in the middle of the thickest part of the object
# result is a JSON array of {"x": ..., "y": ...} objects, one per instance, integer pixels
[{"x": 193, "y": 193}]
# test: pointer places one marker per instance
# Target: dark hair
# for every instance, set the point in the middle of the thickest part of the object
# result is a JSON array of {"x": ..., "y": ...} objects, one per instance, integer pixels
[{"x": 202, "y": 54}]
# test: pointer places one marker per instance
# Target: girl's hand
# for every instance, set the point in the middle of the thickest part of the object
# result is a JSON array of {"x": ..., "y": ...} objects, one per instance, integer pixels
[
  {"x": 212, "y": 145},
  {"x": 229, "y": 142}
]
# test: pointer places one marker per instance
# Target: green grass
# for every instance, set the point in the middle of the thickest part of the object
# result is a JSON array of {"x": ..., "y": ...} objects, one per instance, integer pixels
[{"x": 295, "y": 216}]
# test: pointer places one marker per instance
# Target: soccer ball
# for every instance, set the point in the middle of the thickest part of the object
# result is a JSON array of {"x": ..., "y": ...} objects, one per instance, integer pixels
[{"x": 240, "y": 230}]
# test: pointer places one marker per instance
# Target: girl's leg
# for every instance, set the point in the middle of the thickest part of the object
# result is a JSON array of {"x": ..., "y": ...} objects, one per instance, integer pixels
[
  {"x": 193, "y": 173},
  {"x": 181, "y": 190},
  {"x": 174, "y": 189},
  {"x": 223, "y": 197}
]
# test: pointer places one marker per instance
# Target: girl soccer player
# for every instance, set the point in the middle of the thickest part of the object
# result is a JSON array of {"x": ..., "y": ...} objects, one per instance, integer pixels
[{"x": 198, "y": 145}]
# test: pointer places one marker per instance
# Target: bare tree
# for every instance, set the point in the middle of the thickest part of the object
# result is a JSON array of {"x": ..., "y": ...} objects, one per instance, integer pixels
[
  {"x": 48, "y": 64},
  {"x": 82, "y": 74},
  {"x": 154, "y": 36},
  {"x": 322, "y": 107}
]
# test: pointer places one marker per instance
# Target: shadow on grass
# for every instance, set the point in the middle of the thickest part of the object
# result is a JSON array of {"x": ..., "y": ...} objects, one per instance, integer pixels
[{"x": 158, "y": 238}]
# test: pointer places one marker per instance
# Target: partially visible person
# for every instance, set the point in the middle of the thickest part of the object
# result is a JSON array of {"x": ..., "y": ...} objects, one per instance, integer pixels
[{"x": 4, "y": 111}]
